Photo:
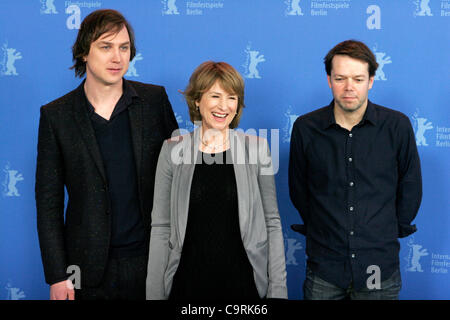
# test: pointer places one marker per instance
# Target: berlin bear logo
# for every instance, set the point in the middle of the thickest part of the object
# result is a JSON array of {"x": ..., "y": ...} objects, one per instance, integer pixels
[
  {"x": 423, "y": 8},
  {"x": 10, "y": 55},
  {"x": 252, "y": 61},
  {"x": 10, "y": 181},
  {"x": 420, "y": 126},
  {"x": 170, "y": 7},
  {"x": 48, "y": 7},
  {"x": 293, "y": 8},
  {"x": 382, "y": 60},
  {"x": 415, "y": 253},
  {"x": 131, "y": 68}
]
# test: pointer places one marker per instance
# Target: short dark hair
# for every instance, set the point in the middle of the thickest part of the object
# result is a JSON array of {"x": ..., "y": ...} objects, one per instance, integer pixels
[
  {"x": 93, "y": 27},
  {"x": 354, "y": 49},
  {"x": 204, "y": 77}
]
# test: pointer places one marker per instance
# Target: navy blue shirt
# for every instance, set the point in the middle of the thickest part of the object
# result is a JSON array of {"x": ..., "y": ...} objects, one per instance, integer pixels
[
  {"x": 357, "y": 191},
  {"x": 128, "y": 237}
]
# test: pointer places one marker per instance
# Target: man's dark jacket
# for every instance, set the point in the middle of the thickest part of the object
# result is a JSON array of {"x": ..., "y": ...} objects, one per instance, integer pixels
[{"x": 69, "y": 156}]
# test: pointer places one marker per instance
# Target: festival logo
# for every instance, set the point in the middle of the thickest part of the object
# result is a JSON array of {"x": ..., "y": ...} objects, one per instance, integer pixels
[
  {"x": 14, "y": 293},
  {"x": 190, "y": 8},
  {"x": 292, "y": 245},
  {"x": 253, "y": 58},
  {"x": 169, "y": 7},
  {"x": 11, "y": 178},
  {"x": 415, "y": 253},
  {"x": 322, "y": 8},
  {"x": 382, "y": 60},
  {"x": 132, "y": 72},
  {"x": 10, "y": 56},
  {"x": 290, "y": 119},
  {"x": 421, "y": 125},
  {"x": 48, "y": 7},
  {"x": 422, "y": 8},
  {"x": 293, "y": 8}
]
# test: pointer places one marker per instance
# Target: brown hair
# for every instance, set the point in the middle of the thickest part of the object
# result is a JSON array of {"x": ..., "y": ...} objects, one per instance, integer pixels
[
  {"x": 93, "y": 26},
  {"x": 354, "y": 49},
  {"x": 204, "y": 77}
]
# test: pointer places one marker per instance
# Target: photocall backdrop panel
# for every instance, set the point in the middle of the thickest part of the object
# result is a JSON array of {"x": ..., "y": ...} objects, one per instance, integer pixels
[{"x": 278, "y": 46}]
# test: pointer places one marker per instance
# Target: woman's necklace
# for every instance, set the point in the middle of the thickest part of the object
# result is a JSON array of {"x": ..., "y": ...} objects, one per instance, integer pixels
[{"x": 215, "y": 146}]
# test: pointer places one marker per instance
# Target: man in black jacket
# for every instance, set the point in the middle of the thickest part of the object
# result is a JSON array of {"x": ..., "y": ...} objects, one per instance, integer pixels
[{"x": 101, "y": 142}]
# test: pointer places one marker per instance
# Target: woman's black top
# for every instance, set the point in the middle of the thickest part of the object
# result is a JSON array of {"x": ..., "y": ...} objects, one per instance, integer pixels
[{"x": 214, "y": 264}]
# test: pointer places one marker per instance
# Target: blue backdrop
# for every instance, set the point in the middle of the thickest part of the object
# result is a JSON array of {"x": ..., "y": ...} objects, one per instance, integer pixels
[{"x": 278, "y": 45}]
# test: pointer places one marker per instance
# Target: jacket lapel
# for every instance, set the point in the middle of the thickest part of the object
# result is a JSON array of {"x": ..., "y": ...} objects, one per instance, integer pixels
[
  {"x": 186, "y": 172},
  {"x": 87, "y": 131}
]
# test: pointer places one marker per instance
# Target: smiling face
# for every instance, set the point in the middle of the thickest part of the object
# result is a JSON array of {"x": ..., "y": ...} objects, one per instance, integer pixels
[
  {"x": 350, "y": 83},
  {"x": 217, "y": 108},
  {"x": 108, "y": 58}
]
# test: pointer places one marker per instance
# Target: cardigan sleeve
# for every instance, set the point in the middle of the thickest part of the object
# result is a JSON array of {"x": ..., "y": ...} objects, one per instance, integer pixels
[
  {"x": 160, "y": 233},
  {"x": 276, "y": 260}
]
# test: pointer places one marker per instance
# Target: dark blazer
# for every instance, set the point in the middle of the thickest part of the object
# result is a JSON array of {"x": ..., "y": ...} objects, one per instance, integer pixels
[{"x": 68, "y": 156}]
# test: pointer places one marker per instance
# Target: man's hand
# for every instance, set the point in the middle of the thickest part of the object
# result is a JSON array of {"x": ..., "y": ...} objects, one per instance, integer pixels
[{"x": 62, "y": 291}]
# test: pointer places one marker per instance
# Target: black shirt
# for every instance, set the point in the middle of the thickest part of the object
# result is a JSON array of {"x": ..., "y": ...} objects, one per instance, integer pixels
[
  {"x": 213, "y": 264},
  {"x": 128, "y": 237},
  {"x": 357, "y": 191}
]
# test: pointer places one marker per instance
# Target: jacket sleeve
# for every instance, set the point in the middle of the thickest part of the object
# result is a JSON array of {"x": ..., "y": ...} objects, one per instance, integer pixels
[
  {"x": 276, "y": 260},
  {"x": 160, "y": 234},
  {"x": 409, "y": 189},
  {"x": 49, "y": 194},
  {"x": 297, "y": 177}
]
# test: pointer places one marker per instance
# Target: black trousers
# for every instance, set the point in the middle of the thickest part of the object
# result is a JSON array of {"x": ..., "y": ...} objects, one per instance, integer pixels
[{"x": 124, "y": 279}]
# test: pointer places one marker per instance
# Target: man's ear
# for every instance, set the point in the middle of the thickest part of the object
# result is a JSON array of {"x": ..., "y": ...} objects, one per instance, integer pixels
[{"x": 371, "y": 82}]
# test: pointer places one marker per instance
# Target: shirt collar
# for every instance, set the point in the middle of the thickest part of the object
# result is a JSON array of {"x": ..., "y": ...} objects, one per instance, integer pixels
[
  {"x": 328, "y": 120},
  {"x": 128, "y": 93}
]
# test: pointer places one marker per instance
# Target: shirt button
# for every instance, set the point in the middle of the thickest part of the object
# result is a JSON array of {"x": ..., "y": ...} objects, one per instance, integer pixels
[
  {"x": 351, "y": 184},
  {"x": 351, "y": 208},
  {"x": 353, "y": 255},
  {"x": 350, "y": 159},
  {"x": 350, "y": 135},
  {"x": 351, "y": 233}
]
